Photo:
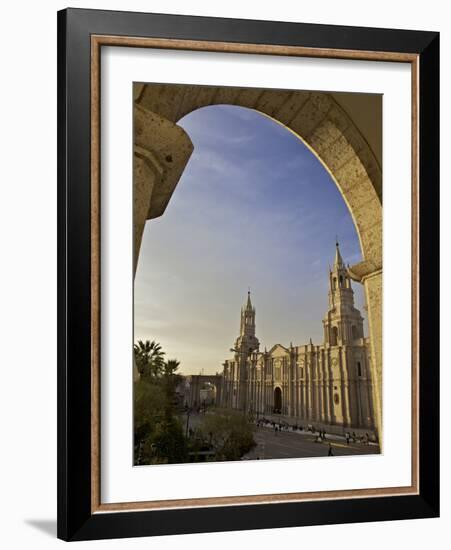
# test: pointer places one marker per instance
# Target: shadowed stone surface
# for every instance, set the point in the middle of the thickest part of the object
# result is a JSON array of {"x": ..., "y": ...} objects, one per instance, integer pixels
[{"x": 161, "y": 152}]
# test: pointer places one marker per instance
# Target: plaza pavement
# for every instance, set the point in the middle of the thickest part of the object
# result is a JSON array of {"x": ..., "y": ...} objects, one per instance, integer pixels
[{"x": 288, "y": 444}]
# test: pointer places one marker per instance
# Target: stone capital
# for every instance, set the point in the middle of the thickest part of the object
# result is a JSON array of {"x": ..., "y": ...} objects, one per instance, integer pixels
[{"x": 364, "y": 270}]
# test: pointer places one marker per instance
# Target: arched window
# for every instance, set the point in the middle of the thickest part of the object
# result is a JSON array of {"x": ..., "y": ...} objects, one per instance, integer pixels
[
  {"x": 355, "y": 332},
  {"x": 277, "y": 400},
  {"x": 359, "y": 369},
  {"x": 341, "y": 281},
  {"x": 334, "y": 283},
  {"x": 334, "y": 336}
]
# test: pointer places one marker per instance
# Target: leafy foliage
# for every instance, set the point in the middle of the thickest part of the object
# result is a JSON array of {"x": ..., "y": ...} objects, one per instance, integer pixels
[
  {"x": 159, "y": 434},
  {"x": 229, "y": 434},
  {"x": 149, "y": 358}
]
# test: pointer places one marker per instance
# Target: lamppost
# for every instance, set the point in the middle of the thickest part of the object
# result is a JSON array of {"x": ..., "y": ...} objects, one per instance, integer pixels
[
  {"x": 188, "y": 412},
  {"x": 247, "y": 354}
]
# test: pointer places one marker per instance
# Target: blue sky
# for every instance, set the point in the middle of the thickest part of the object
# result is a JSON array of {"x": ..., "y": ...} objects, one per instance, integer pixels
[{"x": 254, "y": 208}]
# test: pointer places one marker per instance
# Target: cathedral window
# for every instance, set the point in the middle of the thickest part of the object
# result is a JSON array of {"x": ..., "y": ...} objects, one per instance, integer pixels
[
  {"x": 359, "y": 369},
  {"x": 334, "y": 336}
]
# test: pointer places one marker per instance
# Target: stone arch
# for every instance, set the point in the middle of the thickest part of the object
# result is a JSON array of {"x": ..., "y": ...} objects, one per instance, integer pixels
[
  {"x": 162, "y": 149},
  {"x": 194, "y": 385},
  {"x": 318, "y": 120}
]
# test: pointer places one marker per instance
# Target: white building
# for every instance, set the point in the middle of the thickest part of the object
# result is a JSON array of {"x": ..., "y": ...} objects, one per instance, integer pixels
[{"x": 314, "y": 384}]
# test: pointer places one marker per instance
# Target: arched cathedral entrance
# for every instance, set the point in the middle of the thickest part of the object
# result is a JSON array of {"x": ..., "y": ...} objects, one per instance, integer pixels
[{"x": 277, "y": 400}]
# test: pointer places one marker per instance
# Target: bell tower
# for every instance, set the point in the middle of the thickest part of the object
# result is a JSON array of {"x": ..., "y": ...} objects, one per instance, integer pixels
[
  {"x": 247, "y": 341},
  {"x": 245, "y": 345},
  {"x": 343, "y": 323}
]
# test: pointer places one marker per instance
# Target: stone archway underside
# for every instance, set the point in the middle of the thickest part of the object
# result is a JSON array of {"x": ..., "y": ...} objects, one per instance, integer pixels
[{"x": 162, "y": 150}]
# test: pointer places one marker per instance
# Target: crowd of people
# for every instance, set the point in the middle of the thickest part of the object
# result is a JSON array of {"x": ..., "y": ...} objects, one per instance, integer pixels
[
  {"x": 364, "y": 439},
  {"x": 321, "y": 435},
  {"x": 281, "y": 425}
]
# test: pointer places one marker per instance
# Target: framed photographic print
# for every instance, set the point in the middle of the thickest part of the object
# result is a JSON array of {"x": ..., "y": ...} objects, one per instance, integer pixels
[{"x": 248, "y": 274}]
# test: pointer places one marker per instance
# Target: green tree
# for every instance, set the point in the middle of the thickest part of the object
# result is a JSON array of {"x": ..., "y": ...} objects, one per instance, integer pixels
[
  {"x": 170, "y": 367},
  {"x": 158, "y": 434},
  {"x": 229, "y": 433},
  {"x": 149, "y": 358},
  {"x": 171, "y": 377},
  {"x": 148, "y": 413},
  {"x": 169, "y": 446}
]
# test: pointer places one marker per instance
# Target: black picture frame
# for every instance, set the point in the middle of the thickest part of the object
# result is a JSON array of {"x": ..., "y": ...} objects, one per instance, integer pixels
[{"x": 75, "y": 518}]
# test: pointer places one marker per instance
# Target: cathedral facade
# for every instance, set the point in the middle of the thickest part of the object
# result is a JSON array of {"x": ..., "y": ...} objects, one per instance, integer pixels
[{"x": 313, "y": 384}]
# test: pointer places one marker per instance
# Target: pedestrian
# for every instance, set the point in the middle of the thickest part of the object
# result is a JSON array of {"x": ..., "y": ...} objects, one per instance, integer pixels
[
  {"x": 330, "y": 452},
  {"x": 347, "y": 438}
]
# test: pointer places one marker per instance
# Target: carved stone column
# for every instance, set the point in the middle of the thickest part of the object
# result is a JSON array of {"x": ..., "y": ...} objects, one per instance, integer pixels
[
  {"x": 370, "y": 276},
  {"x": 161, "y": 152}
]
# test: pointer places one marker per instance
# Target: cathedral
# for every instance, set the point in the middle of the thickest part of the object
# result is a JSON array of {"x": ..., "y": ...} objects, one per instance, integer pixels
[{"x": 326, "y": 384}]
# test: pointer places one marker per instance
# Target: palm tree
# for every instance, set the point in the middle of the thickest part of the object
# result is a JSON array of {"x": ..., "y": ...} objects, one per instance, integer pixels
[
  {"x": 170, "y": 380},
  {"x": 149, "y": 358},
  {"x": 171, "y": 366},
  {"x": 171, "y": 377}
]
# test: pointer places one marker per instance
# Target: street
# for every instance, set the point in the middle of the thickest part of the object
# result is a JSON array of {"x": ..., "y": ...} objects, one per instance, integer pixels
[{"x": 287, "y": 444}]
